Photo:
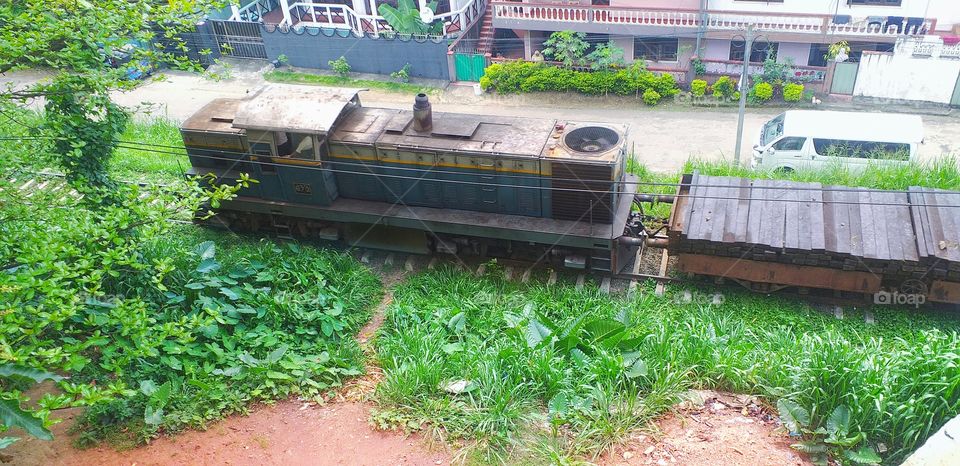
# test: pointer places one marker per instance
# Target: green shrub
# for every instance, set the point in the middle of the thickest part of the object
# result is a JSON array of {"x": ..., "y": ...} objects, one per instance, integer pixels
[
  {"x": 403, "y": 74},
  {"x": 792, "y": 92},
  {"x": 522, "y": 76},
  {"x": 724, "y": 87},
  {"x": 340, "y": 66},
  {"x": 651, "y": 97},
  {"x": 762, "y": 92},
  {"x": 698, "y": 87}
]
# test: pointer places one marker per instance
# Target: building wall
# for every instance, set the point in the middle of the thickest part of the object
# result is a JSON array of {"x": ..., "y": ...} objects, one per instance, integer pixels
[
  {"x": 917, "y": 8},
  {"x": 799, "y": 52},
  {"x": 667, "y": 4},
  {"x": 903, "y": 77},
  {"x": 947, "y": 13}
]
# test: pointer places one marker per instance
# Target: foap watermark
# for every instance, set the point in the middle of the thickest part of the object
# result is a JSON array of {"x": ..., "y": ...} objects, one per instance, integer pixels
[{"x": 910, "y": 293}]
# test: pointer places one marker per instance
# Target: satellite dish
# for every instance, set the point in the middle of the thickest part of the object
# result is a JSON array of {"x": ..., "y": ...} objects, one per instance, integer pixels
[{"x": 426, "y": 15}]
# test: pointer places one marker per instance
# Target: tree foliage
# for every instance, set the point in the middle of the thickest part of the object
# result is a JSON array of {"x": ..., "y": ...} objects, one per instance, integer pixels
[
  {"x": 566, "y": 47},
  {"x": 74, "y": 39},
  {"x": 405, "y": 18}
]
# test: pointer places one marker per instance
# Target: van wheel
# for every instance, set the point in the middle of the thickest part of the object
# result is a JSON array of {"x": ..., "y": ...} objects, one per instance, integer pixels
[{"x": 783, "y": 171}]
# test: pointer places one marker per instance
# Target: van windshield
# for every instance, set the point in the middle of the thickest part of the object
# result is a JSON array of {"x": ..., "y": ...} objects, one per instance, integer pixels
[{"x": 772, "y": 130}]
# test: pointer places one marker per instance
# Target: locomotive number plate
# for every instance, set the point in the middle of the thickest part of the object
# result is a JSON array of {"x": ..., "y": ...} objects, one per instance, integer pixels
[{"x": 302, "y": 188}]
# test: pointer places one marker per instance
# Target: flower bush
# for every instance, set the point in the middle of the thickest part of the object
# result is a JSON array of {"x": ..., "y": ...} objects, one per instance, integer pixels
[
  {"x": 651, "y": 97},
  {"x": 523, "y": 76},
  {"x": 792, "y": 92},
  {"x": 724, "y": 87},
  {"x": 698, "y": 87},
  {"x": 762, "y": 92}
]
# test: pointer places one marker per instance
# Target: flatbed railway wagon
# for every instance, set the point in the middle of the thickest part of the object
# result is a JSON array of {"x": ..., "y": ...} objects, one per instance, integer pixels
[
  {"x": 418, "y": 181},
  {"x": 772, "y": 234}
]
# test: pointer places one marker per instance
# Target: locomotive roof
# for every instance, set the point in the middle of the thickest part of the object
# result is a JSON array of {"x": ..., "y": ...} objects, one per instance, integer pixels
[
  {"x": 215, "y": 116},
  {"x": 299, "y": 109},
  {"x": 451, "y": 131}
]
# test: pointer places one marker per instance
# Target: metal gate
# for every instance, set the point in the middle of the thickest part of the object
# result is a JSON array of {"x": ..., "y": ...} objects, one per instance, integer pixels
[
  {"x": 955, "y": 100},
  {"x": 469, "y": 66},
  {"x": 240, "y": 39},
  {"x": 844, "y": 78}
]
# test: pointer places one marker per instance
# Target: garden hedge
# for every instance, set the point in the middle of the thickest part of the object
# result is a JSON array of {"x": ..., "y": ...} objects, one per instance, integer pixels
[{"x": 523, "y": 76}]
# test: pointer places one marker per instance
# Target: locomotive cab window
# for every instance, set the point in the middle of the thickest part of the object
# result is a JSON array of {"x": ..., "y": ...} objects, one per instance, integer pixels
[{"x": 296, "y": 146}]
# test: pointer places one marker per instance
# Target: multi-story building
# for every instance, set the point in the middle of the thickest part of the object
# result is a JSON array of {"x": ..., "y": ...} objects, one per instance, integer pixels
[{"x": 668, "y": 33}]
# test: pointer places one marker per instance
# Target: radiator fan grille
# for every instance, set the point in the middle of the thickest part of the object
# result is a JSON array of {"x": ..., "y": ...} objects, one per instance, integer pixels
[{"x": 591, "y": 139}]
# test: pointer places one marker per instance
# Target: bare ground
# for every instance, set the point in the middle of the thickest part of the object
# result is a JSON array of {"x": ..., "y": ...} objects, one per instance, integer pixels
[{"x": 709, "y": 430}]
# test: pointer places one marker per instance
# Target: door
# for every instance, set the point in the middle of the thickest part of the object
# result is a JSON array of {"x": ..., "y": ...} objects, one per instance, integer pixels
[
  {"x": 844, "y": 78},
  {"x": 469, "y": 66},
  {"x": 955, "y": 101}
]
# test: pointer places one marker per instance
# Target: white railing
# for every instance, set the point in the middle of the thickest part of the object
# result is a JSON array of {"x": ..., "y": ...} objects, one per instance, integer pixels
[
  {"x": 950, "y": 51},
  {"x": 253, "y": 11},
  {"x": 715, "y": 20},
  {"x": 339, "y": 16}
]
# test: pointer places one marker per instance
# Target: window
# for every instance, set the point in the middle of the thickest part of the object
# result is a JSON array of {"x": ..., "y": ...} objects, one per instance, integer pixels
[
  {"x": 772, "y": 130},
  {"x": 758, "y": 53},
  {"x": 295, "y": 145},
  {"x": 818, "y": 54},
  {"x": 875, "y": 2},
  {"x": 656, "y": 48},
  {"x": 790, "y": 144},
  {"x": 260, "y": 148},
  {"x": 862, "y": 149}
]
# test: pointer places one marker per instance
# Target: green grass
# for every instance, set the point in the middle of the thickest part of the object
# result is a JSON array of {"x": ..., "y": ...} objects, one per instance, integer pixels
[
  {"x": 329, "y": 80},
  {"x": 130, "y": 162},
  {"x": 537, "y": 403}
]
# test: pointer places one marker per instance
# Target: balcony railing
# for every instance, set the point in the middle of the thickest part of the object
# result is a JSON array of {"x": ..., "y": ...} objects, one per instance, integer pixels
[
  {"x": 339, "y": 16},
  {"x": 712, "y": 19}
]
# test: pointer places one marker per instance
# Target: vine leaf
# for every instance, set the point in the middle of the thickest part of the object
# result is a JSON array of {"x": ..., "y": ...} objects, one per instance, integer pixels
[
  {"x": 536, "y": 333},
  {"x": 793, "y": 416},
  {"x": 13, "y": 416},
  {"x": 24, "y": 372}
]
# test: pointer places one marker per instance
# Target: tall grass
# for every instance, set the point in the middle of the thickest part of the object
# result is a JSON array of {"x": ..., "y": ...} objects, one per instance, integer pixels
[{"x": 900, "y": 378}]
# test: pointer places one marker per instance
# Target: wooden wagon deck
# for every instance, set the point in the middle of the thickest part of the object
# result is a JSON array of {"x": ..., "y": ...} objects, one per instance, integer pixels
[{"x": 893, "y": 234}]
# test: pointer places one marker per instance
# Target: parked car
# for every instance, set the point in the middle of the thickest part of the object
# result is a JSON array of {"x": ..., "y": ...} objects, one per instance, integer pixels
[{"x": 812, "y": 139}]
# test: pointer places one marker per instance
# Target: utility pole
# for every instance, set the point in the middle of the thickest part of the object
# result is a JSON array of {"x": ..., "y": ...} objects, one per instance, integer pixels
[
  {"x": 744, "y": 87},
  {"x": 703, "y": 27}
]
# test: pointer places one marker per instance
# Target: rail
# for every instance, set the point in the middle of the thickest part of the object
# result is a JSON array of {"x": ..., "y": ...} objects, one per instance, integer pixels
[
  {"x": 711, "y": 19},
  {"x": 734, "y": 68}
]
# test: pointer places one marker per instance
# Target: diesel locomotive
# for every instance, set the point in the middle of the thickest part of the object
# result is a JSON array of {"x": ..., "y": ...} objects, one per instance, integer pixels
[{"x": 419, "y": 181}]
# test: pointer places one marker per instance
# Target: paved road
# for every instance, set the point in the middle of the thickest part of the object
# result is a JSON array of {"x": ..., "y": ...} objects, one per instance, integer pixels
[{"x": 662, "y": 137}]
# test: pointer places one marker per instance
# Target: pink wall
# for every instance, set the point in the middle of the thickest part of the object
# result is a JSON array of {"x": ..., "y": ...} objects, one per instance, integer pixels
[{"x": 668, "y": 4}]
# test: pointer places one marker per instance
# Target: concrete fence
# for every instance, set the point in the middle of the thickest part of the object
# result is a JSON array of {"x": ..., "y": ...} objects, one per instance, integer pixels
[
  {"x": 905, "y": 77},
  {"x": 311, "y": 47}
]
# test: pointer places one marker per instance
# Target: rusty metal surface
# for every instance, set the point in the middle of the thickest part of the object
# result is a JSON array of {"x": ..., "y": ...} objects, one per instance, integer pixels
[
  {"x": 491, "y": 134},
  {"x": 298, "y": 109},
  {"x": 779, "y": 274},
  {"x": 944, "y": 292},
  {"x": 363, "y": 125},
  {"x": 215, "y": 116}
]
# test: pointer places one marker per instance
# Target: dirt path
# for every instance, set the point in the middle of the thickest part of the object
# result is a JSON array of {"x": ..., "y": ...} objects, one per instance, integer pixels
[
  {"x": 712, "y": 429},
  {"x": 287, "y": 433}
]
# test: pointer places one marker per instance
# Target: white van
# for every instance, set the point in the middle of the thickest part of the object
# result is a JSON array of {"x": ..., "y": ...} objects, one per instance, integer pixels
[{"x": 813, "y": 139}]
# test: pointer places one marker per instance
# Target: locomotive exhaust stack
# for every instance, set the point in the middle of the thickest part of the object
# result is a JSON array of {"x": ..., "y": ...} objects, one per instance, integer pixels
[{"x": 422, "y": 114}]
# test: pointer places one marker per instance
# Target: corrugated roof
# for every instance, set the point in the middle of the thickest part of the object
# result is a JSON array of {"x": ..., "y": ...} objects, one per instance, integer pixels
[
  {"x": 854, "y": 126},
  {"x": 297, "y": 109}
]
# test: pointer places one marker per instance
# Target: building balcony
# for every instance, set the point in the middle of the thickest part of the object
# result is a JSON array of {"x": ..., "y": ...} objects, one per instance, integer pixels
[{"x": 641, "y": 21}]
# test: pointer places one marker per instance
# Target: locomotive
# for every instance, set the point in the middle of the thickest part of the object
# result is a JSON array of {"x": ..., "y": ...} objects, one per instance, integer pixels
[
  {"x": 418, "y": 181},
  {"x": 555, "y": 192}
]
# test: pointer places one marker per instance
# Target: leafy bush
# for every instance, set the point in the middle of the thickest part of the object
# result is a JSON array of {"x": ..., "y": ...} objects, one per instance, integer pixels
[
  {"x": 698, "y": 87},
  {"x": 762, "y": 92},
  {"x": 340, "y": 66},
  {"x": 566, "y": 47},
  {"x": 651, "y": 97},
  {"x": 405, "y": 18},
  {"x": 403, "y": 74},
  {"x": 724, "y": 87},
  {"x": 522, "y": 76},
  {"x": 606, "y": 56},
  {"x": 792, "y": 92},
  {"x": 699, "y": 68}
]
